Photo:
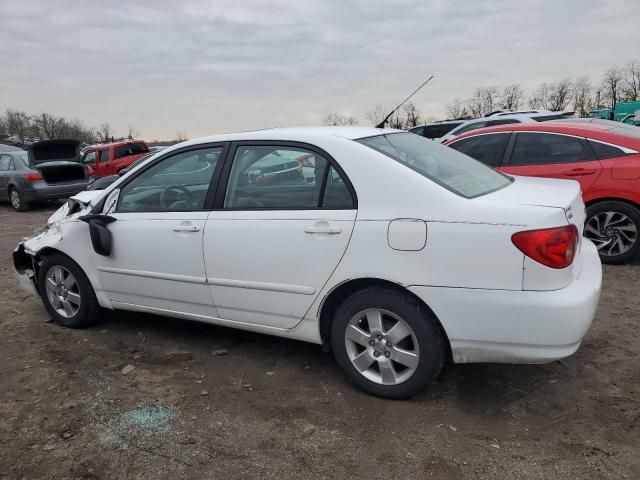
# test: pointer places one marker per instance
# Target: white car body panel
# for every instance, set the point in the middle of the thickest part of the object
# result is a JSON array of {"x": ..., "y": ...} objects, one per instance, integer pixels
[{"x": 260, "y": 270}]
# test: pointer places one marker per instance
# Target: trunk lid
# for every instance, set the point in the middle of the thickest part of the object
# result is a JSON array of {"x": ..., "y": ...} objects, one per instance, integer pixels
[
  {"x": 58, "y": 161},
  {"x": 560, "y": 195}
]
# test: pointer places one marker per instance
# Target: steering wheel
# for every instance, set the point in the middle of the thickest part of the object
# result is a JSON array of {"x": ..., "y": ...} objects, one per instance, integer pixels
[{"x": 168, "y": 199}]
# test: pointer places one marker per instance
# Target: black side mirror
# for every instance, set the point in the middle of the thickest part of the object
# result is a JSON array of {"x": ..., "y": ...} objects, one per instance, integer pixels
[{"x": 101, "y": 238}]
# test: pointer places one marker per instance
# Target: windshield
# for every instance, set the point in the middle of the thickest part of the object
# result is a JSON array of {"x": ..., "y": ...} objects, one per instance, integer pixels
[{"x": 448, "y": 168}]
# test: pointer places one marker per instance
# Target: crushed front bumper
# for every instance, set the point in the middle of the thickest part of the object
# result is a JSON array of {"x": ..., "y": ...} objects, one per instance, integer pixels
[{"x": 25, "y": 269}]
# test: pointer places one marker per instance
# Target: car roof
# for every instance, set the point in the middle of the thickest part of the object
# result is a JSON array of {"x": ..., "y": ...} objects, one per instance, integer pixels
[
  {"x": 294, "y": 134},
  {"x": 113, "y": 144},
  {"x": 596, "y": 131}
]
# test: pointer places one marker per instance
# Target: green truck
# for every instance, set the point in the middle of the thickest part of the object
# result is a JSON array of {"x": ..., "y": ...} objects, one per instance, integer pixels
[{"x": 625, "y": 112}]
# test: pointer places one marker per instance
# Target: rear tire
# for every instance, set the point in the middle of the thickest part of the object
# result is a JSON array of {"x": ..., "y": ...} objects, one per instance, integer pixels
[
  {"x": 387, "y": 342},
  {"x": 614, "y": 227},
  {"x": 66, "y": 292},
  {"x": 18, "y": 201}
]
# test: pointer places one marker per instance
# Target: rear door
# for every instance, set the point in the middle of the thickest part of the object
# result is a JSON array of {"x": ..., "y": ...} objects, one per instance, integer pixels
[
  {"x": 553, "y": 155},
  {"x": 274, "y": 236}
]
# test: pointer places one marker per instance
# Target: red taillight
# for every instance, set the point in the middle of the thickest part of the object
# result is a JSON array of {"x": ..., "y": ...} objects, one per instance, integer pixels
[
  {"x": 553, "y": 247},
  {"x": 33, "y": 177},
  {"x": 305, "y": 161}
]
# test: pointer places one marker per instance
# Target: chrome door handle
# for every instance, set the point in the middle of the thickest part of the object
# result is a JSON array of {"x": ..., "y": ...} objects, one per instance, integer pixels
[
  {"x": 186, "y": 228},
  {"x": 328, "y": 230}
]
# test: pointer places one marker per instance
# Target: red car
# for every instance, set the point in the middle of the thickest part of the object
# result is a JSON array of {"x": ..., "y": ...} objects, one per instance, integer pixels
[
  {"x": 603, "y": 157},
  {"x": 109, "y": 158}
]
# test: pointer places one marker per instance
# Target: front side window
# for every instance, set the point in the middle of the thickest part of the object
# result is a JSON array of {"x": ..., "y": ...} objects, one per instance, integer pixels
[
  {"x": 177, "y": 183},
  {"x": 104, "y": 155},
  {"x": 90, "y": 157},
  {"x": 279, "y": 177},
  {"x": 488, "y": 149},
  {"x": 452, "y": 170},
  {"x": 545, "y": 148}
]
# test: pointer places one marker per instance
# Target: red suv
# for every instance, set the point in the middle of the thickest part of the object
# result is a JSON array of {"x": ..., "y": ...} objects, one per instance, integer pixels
[
  {"x": 110, "y": 158},
  {"x": 603, "y": 157}
]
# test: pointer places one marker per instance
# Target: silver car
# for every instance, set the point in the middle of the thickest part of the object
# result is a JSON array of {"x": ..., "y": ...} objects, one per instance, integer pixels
[{"x": 49, "y": 170}]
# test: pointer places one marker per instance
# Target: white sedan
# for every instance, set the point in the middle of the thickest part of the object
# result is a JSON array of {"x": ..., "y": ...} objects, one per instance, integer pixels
[{"x": 398, "y": 254}]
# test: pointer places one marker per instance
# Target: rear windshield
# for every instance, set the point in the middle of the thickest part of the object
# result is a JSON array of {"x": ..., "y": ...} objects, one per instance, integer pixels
[
  {"x": 130, "y": 149},
  {"x": 439, "y": 131},
  {"x": 448, "y": 168}
]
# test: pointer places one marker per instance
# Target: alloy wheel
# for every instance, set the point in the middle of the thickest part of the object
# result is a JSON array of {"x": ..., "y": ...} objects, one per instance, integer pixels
[
  {"x": 63, "y": 291},
  {"x": 612, "y": 232},
  {"x": 382, "y": 346}
]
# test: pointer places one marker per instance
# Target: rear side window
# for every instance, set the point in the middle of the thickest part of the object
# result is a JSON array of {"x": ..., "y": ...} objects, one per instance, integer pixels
[
  {"x": 505, "y": 121},
  {"x": 471, "y": 126},
  {"x": 104, "y": 155},
  {"x": 454, "y": 171},
  {"x": 130, "y": 149},
  {"x": 284, "y": 178},
  {"x": 439, "y": 130},
  {"x": 546, "y": 148},
  {"x": 5, "y": 160},
  {"x": 602, "y": 150},
  {"x": 488, "y": 149},
  {"x": 417, "y": 130}
]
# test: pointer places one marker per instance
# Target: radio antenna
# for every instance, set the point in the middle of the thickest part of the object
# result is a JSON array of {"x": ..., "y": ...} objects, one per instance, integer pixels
[{"x": 384, "y": 122}]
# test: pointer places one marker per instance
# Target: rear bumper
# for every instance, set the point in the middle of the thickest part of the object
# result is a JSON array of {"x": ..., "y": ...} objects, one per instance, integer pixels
[
  {"x": 44, "y": 191},
  {"x": 518, "y": 326}
]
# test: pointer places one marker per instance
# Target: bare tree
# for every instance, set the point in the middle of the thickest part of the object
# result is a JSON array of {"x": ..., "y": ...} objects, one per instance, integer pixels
[
  {"x": 540, "y": 97},
  {"x": 377, "y": 114},
  {"x": 631, "y": 81},
  {"x": 455, "y": 109},
  {"x": 48, "y": 126},
  {"x": 611, "y": 85},
  {"x": 181, "y": 136},
  {"x": 560, "y": 94},
  {"x": 582, "y": 95},
  {"x": 511, "y": 97},
  {"x": 132, "y": 133},
  {"x": 104, "y": 132},
  {"x": 483, "y": 101},
  {"x": 338, "y": 119},
  {"x": 475, "y": 103},
  {"x": 18, "y": 123},
  {"x": 4, "y": 127},
  {"x": 412, "y": 115}
]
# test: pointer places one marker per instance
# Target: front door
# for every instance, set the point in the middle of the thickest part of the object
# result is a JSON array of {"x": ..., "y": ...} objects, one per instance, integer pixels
[
  {"x": 277, "y": 234},
  {"x": 555, "y": 156},
  {"x": 156, "y": 258}
]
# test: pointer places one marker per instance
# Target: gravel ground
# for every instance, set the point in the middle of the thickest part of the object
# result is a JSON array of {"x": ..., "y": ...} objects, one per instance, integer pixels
[{"x": 210, "y": 402}]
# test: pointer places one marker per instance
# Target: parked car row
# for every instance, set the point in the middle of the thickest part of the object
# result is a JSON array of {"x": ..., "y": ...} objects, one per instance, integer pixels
[{"x": 447, "y": 129}]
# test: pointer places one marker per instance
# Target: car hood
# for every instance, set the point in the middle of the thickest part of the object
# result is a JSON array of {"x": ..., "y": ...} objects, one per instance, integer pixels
[
  {"x": 48, "y": 151},
  {"x": 77, "y": 204}
]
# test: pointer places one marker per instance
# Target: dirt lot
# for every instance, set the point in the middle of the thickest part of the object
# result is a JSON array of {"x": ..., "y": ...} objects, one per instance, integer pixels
[{"x": 272, "y": 408}]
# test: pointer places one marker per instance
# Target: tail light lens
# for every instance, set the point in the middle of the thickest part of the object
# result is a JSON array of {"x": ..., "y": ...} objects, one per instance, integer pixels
[
  {"x": 33, "y": 177},
  {"x": 553, "y": 247},
  {"x": 90, "y": 171}
]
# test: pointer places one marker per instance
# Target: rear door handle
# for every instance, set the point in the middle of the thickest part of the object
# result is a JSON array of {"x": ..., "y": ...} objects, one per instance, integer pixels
[
  {"x": 577, "y": 172},
  {"x": 186, "y": 228},
  {"x": 329, "y": 230}
]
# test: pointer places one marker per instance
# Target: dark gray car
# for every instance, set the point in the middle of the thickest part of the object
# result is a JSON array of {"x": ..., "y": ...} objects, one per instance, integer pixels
[{"x": 49, "y": 170}]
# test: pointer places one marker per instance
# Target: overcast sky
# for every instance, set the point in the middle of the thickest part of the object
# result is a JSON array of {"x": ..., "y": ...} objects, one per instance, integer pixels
[{"x": 203, "y": 67}]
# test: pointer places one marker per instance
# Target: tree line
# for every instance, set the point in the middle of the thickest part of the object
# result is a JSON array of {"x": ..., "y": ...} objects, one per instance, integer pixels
[{"x": 580, "y": 95}]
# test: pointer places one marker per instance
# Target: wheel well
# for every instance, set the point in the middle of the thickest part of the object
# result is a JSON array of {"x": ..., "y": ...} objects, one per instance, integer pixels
[
  {"x": 45, "y": 252},
  {"x": 342, "y": 291},
  {"x": 613, "y": 199}
]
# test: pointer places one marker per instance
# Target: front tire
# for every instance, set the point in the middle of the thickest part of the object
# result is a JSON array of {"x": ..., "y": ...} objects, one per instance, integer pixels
[
  {"x": 66, "y": 292},
  {"x": 387, "y": 342},
  {"x": 18, "y": 202},
  {"x": 614, "y": 227}
]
